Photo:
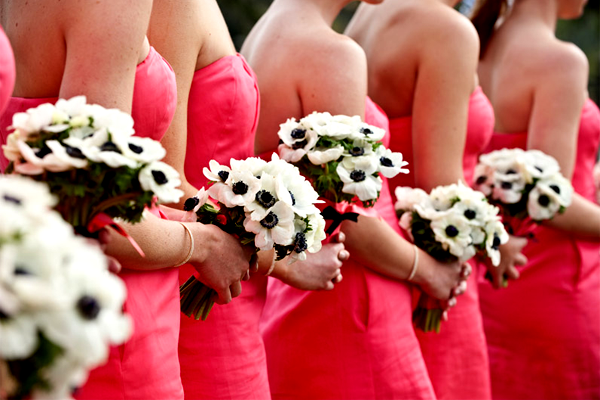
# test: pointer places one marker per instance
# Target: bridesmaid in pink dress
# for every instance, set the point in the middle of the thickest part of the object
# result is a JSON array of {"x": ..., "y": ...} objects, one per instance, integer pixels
[
  {"x": 7, "y": 72},
  {"x": 224, "y": 356},
  {"x": 146, "y": 367},
  {"x": 422, "y": 59},
  {"x": 544, "y": 330},
  {"x": 356, "y": 341}
]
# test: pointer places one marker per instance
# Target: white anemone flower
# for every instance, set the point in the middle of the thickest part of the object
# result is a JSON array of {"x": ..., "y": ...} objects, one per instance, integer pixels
[
  {"x": 33, "y": 198},
  {"x": 316, "y": 234},
  {"x": 498, "y": 158},
  {"x": 64, "y": 376},
  {"x": 33, "y": 120},
  {"x": 162, "y": 180},
  {"x": 495, "y": 236},
  {"x": 508, "y": 188},
  {"x": 239, "y": 190},
  {"x": 357, "y": 175},
  {"x": 95, "y": 318},
  {"x": 19, "y": 335},
  {"x": 254, "y": 165},
  {"x": 298, "y": 193},
  {"x": 322, "y": 155},
  {"x": 71, "y": 157},
  {"x": 264, "y": 198},
  {"x": 476, "y": 211},
  {"x": 334, "y": 130},
  {"x": 360, "y": 147},
  {"x": 543, "y": 202},
  {"x": 478, "y": 235},
  {"x": 73, "y": 107},
  {"x": 10, "y": 149},
  {"x": 368, "y": 132},
  {"x": 484, "y": 178},
  {"x": 559, "y": 186},
  {"x": 540, "y": 165},
  {"x": 277, "y": 227},
  {"x": 298, "y": 137},
  {"x": 453, "y": 231},
  {"x": 407, "y": 197},
  {"x": 390, "y": 163},
  {"x": 106, "y": 148},
  {"x": 217, "y": 172},
  {"x": 116, "y": 122},
  {"x": 143, "y": 150},
  {"x": 443, "y": 197}
]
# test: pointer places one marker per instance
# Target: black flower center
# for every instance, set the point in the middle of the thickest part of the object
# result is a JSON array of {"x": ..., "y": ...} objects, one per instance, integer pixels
[
  {"x": 43, "y": 152},
  {"x": 74, "y": 152},
  {"x": 470, "y": 214},
  {"x": 3, "y": 316},
  {"x": 366, "y": 131},
  {"x": 506, "y": 185},
  {"x": 539, "y": 169},
  {"x": 110, "y": 146},
  {"x": 20, "y": 270},
  {"x": 544, "y": 200},
  {"x": 357, "y": 175},
  {"x": 298, "y": 133},
  {"x": 451, "y": 231},
  {"x": 357, "y": 151},
  {"x": 159, "y": 177},
  {"x": 11, "y": 199},
  {"x": 293, "y": 198},
  {"x": 300, "y": 144},
  {"x": 240, "y": 188},
  {"x": 481, "y": 180},
  {"x": 88, "y": 307},
  {"x": 270, "y": 221},
  {"x": 265, "y": 198},
  {"x": 190, "y": 203},
  {"x": 386, "y": 162},
  {"x": 300, "y": 245},
  {"x": 135, "y": 148},
  {"x": 223, "y": 175},
  {"x": 510, "y": 172},
  {"x": 496, "y": 242},
  {"x": 555, "y": 188}
]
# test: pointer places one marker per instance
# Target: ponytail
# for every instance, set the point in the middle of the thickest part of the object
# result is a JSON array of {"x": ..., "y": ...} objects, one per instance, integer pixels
[{"x": 484, "y": 18}]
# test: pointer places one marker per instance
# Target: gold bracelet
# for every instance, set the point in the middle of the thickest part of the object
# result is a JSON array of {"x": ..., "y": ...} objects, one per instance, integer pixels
[
  {"x": 415, "y": 264},
  {"x": 191, "y": 252}
]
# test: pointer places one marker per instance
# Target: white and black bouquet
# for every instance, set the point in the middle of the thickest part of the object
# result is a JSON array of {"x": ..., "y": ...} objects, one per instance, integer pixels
[
  {"x": 527, "y": 186},
  {"x": 342, "y": 156},
  {"x": 91, "y": 161},
  {"x": 60, "y": 307},
  {"x": 451, "y": 223},
  {"x": 266, "y": 205}
]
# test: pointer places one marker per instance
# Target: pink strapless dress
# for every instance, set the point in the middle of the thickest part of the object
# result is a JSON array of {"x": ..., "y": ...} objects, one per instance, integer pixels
[
  {"x": 224, "y": 356},
  {"x": 353, "y": 342},
  {"x": 543, "y": 331},
  {"x": 456, "y": 358},
  {"x": 146, "y": 367},
  {"x": 7, "y": 74}
]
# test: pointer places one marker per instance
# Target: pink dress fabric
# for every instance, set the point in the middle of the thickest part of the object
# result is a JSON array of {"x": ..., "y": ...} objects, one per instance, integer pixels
[
  {"x": 456, "y": 358},
  {"x": 543, "y": 330},
  {"x": 224, "y": 356},
  {"x": 146, "y": 367},
  {"x": 353, "y": 342},
  {"x": 7, "y": 72}
]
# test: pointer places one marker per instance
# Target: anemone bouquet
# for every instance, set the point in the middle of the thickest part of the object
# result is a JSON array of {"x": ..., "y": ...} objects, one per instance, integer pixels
[
  {"x": 267, "y": 205},
  {"x": 342, "y": 156},
  {"x": 91, "y": 161},
  {"x": 451, "y": 223},
  {"x": 527, "y": 186},
  {"x": 60, "y": 307}
]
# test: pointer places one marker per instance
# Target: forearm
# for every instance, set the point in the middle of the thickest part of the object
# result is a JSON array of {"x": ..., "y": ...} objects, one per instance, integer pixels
[
  {"x": 164, "y": 243},
  {"x": 373, "y": 243},
  {"x": 581, "y": 218}
]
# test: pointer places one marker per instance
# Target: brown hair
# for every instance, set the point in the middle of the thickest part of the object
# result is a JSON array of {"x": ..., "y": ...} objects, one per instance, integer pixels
[{"x": 484, "y": 18}]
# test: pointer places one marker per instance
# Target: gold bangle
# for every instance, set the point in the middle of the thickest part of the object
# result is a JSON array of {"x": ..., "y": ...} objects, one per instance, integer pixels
[
  {"x": 415, "y": 265},
  {"x": 191, "y": 252}
]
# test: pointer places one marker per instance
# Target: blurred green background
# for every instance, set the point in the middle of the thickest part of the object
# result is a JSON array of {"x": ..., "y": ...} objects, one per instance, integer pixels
[{"x": 241, "y": 15}]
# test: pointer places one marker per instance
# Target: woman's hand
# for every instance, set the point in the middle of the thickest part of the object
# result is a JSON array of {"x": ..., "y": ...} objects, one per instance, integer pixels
[
  {"x": 442, "y": 281},
  {"x": 220, "y": 260},
  {"x": 510, "y": 257},
  {"x": 320, "y": 271}
]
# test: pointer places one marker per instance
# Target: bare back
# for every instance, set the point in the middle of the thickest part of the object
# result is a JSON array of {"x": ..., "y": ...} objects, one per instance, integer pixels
[
  {"x": 60, "y": 46},
  {"x": 302, "y": 66}
]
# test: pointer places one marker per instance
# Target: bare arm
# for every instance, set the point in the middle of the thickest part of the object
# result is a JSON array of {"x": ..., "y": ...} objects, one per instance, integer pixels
[
  {"x": 175, "y": 35},
  {"x": 559, "y": 94}
]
